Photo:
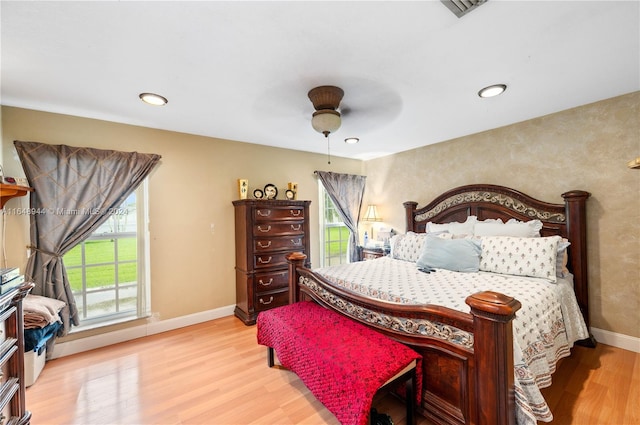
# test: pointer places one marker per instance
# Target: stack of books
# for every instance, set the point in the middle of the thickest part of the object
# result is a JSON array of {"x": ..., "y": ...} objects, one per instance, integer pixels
[{"x": 10, "y": 278}]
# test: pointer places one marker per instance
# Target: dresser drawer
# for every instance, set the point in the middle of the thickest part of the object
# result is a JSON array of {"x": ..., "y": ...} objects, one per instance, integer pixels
[
  {"x": 270, "y": 260},
  {"x": 6, "y": 414},
  {"x": 270, "y": 281},
  {"x": 271, "y": 300},
  {"x": 267, "y": 213},
  {"x": 290, "y": 243},
  {"x": 278, "y": 229}
]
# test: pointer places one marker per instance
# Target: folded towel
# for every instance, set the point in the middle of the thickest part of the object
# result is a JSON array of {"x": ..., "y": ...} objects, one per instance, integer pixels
[{"x": 41, "y": 311}]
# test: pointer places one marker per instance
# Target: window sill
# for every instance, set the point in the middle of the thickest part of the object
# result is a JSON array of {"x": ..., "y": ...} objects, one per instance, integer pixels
[{"x": 105, "y": 324}]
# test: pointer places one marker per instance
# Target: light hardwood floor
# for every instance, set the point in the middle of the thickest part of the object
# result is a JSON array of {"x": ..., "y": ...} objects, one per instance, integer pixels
[{"x": 215, "y": 373}]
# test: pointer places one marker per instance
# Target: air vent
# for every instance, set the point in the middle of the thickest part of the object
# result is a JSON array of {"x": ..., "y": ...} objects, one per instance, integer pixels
[{"x": 462, "y": 7}]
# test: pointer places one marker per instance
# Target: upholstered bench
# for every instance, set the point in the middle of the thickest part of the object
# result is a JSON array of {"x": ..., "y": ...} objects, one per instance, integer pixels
[{"x": 341, "y": 361}]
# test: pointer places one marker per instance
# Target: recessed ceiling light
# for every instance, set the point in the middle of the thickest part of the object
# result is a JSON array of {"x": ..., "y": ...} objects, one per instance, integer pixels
[
  {"x": 492, "y": 90},
  {"x": 351, "y": 140},
  {"x": 153, "y": 99}
]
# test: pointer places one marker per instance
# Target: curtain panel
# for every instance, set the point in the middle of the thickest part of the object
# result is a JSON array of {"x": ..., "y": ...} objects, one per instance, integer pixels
[
  {"x": 346, "y": 191},
  {"x": 75, "y": 191}
]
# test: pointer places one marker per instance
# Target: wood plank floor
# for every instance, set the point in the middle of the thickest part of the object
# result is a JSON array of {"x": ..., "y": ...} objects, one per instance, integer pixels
[{"x": 215, "y": 373}]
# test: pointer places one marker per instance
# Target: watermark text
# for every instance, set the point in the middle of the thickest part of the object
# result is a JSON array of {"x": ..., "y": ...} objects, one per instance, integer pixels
[{"x": 64, "y": 211}]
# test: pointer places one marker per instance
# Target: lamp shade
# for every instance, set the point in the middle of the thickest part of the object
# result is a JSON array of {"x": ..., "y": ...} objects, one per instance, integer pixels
[{"x": 372, "y": 214}]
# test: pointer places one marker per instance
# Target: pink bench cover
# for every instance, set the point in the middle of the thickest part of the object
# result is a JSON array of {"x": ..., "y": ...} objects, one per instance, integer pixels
[{"x": 342, "y": 362}]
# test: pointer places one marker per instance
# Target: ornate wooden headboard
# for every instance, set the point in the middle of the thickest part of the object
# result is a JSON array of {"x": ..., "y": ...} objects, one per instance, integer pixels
[{"x": 491, "y": 201}]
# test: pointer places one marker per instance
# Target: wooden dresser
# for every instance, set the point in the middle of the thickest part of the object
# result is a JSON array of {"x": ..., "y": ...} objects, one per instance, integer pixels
[
  {"x": 266, "y": 231},
  {"x": 12, "y": 385}
]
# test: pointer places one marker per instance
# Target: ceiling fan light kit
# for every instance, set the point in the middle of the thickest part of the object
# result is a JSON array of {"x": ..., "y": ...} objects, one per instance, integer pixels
[
  {"x": 326, "y": 121},
  {"x": 326, "y": 100}
]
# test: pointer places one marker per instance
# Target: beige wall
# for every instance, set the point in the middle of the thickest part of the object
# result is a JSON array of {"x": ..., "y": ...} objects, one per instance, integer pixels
[
  {"x": 192, "y": 270},
  {"x": 585, "y": 148}
]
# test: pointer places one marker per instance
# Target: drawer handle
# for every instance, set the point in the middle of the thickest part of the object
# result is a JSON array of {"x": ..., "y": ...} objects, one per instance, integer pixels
[
  {"x": 264, "y": 214},
  {"x": 264, "y": 246},
  {"x": 264, "y": 230},
  {"x": 296, "y": 241},
  {"x": 266, "y": 284},
  {"x": 297, "y": 227},
  {"x": 295, "y": 213},
  {"x": 261, "y": 261},
  {"x": 266, "y": 302}
]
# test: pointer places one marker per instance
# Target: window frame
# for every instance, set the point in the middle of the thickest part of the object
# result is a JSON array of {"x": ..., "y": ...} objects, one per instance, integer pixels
[
  {"x": 323, "y": 198},
  {"x": 143, "y": 292}
]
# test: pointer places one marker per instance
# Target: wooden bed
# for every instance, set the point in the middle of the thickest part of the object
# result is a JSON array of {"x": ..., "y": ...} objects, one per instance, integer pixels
[{"x": 462, "y": 383}]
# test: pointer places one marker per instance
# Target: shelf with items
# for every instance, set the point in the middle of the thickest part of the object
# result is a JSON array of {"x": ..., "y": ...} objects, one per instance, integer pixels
[{"x": 8, "y": 191}]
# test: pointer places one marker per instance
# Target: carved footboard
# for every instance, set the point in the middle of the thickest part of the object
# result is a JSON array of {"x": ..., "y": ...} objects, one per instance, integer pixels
[{"x": 468, "y": 358}]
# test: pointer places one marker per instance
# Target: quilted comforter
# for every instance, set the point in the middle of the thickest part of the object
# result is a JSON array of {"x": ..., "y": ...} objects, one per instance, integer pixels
[{"x": 545, "y": 328}]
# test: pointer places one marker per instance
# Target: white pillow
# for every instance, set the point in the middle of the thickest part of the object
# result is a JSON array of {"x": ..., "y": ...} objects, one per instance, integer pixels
[
  {"x": 535, "y": 257},
  {"x": 562, "y": 258},
  {"x": 407, "y": 247},
  {"x": 454, "y": 227},
  {"x": 513, "y": 227}
]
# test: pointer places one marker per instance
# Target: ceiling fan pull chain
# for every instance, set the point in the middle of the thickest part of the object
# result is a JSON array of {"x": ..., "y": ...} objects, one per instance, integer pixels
[{"x": 328, "y": 149}]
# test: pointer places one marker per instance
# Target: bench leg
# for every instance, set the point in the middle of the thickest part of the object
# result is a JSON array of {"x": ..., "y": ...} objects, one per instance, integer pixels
[
  {"x": 410, "y": 393},
  {"x": 270, "y": 361}
]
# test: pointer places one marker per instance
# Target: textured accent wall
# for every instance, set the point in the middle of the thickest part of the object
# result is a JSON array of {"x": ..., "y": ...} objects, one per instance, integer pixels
[{"x": 584, "y": 148}]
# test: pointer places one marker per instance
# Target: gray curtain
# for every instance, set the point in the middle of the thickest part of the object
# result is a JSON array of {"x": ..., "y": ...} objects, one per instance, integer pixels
[
  {"x": 74, "y": 190},
  {"x": 346, "y": 191}
]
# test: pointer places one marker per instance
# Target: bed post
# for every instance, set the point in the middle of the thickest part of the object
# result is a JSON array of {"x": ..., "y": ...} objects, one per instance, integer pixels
[
  {"x": 493, "y": 352},
  {"x": 410, "y": 209},
  {"x": 295, "y": 260},
  {"x": 575, "y": 209}
]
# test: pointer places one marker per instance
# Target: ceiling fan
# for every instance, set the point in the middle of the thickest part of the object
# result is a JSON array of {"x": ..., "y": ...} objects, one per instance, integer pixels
[{"x": 326, "y": 99}]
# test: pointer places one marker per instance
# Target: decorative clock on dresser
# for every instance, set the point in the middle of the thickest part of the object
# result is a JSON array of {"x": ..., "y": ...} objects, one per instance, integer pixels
[{"x": 266, "y": 231}]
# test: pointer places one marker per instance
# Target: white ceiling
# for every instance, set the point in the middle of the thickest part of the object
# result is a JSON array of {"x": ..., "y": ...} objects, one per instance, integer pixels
[{"x": 241, "y": 70}]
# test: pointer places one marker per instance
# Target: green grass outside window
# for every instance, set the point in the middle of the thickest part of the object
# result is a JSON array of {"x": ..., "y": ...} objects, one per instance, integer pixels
[{"x": 97, "y": 253}]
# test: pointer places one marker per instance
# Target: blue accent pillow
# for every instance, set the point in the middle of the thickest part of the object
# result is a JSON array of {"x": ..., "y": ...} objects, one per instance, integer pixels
[{"x": 458, "y": 255}]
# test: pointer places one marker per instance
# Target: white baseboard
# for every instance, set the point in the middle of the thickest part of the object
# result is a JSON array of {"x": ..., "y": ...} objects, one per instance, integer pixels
[
  {"x": 625, "y": 342},
  {"x": 68, "y": 348}
]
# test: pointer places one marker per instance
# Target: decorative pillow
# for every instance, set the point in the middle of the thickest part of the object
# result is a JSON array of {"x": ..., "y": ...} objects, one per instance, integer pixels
[
  {"x": 458, "y": 255},
  {"x": 535, "y": 257},
  {"x": 562, "y": 258},
  {"x": 513, "y": 227},
  {"x": 407, "y": 247},
  {"x": 454, "y": 227}
]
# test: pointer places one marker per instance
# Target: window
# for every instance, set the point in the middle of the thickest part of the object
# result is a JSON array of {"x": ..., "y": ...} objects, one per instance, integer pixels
[
  {"x": 335, "y": 235},
  {"x": 107, "y": 272}
]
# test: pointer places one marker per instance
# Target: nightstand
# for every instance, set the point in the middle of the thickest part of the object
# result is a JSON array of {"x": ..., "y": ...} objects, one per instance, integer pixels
[{"x": 371, "y": 253}]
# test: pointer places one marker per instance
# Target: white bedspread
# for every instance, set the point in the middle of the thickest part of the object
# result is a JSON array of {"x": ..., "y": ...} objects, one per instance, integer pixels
[{"x": 545, "y": 328}]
